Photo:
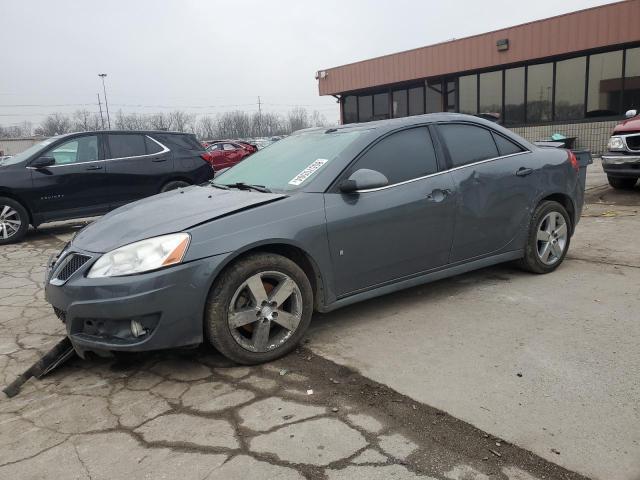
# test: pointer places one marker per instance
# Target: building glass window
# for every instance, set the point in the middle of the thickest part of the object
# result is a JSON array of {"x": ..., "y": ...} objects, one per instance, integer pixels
[
  {"x": 416, "y": 101},
  {"x": 605, "y": 84},
  {"x": 452, "y": 104},
  {"x": 514, "y": 96},
  {"x": 468, "y": 86},
  {"x": 570, "y": 88},
  {"x": 365, "y": 108},
  {"x": 539, "y": 92},
  {"x": 381, "y": 106},
  {"x": 350, "y": 109},
  {"x": 399, "y": 104},
  {"x": 632, "y": 80},
  {"x": 434, "y": 96},
  {"x": 491, "y": 92}
]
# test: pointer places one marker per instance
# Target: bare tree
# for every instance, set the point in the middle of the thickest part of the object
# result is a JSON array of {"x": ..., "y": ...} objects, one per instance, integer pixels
[
  {"x": 298, "y": 119},
  {"x": 181, "y": 121},
  {"x": 160, "y": 121},
  {"x": 131, "y": 121},
  {"x": 84, "y": 120},
  {"x": 55, "y": 124},
  {"x": 207, "y": 128}
]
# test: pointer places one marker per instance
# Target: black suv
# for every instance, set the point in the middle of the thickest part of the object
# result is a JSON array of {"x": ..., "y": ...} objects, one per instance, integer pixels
[{"x": 89, "y": 173}]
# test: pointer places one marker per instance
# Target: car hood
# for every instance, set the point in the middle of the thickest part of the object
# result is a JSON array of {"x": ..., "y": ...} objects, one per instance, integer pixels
[
  {"x": 628, "y": 126},
  {"x": 168, "y": 212}
]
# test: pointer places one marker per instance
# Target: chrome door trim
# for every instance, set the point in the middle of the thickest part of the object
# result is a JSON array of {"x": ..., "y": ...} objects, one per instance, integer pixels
[{"x": 440, "y": 173}]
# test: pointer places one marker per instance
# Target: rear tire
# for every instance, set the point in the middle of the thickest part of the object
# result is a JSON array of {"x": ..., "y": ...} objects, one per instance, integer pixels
[
  {"x": 251, "y": 302},
  {"x": 14, "y": 221},
  {"x": 622, "y": 183},
  {"x": 173, "y": 185},
  {"x": 548, "y": 239}
]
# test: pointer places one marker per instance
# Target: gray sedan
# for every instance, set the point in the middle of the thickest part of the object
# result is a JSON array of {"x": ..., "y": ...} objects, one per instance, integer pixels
[{"x": 319, "y": 220}]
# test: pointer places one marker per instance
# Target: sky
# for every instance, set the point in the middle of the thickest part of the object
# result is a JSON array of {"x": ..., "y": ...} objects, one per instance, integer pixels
[{"x": 206, "y": 57}]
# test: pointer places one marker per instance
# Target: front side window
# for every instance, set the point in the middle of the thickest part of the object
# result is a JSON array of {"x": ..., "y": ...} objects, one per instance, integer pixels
[
  {"x": 82, "y": 149},
  {"x": 468, "y": 143},
  {"x": 228, "y": 147},
  {"x": 401, "y": 156},
  {"x": 126, "y": 145}
]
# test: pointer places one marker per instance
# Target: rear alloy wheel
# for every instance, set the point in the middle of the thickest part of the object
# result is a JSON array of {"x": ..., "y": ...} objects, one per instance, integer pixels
[
  {"x": 259, "y": 309},
  {"x": 174, "y": 185},
  {"x": 622, "y": 183},
  {"x": 14, "y": 221},
  {"x": 548, "y": 240}
]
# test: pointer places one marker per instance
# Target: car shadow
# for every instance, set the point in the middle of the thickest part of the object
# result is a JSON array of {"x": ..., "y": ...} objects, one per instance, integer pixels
[{"x": 605, "y": 194}]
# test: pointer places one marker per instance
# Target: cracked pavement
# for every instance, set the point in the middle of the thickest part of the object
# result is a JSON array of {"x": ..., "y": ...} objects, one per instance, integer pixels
[{"x": 192, "y": 415}]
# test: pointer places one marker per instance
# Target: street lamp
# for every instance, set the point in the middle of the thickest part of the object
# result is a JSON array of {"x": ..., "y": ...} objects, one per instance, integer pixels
[{"x": 102, "y": 75}]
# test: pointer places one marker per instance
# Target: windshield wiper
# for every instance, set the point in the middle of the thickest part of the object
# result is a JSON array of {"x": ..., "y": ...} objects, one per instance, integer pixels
[
  {"x": 218, "y": 185},
  {"x": 248, "y": 186}
]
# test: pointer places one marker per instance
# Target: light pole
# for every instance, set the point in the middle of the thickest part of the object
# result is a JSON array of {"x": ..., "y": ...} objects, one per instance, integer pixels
[{"x": 104, "y": 90}]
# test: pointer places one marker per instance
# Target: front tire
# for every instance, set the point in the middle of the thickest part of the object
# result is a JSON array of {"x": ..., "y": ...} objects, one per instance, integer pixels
[
  {"x": 14, "y": 221},
  {"x": 259, "y": 309},
  {"x": 622, "y": 183},
  {"x": 548, "y": 239}
]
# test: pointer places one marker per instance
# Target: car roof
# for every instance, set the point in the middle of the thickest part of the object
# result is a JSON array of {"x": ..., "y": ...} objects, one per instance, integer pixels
[{"x": 144, "y": 132}]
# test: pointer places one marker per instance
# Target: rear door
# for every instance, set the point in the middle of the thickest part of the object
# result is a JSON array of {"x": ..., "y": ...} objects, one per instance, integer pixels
[
  {"x": 76, "y": 184},
  {"x": 137, "y": 166},
  {"x": 496, "y": 182},
  {"x": 402, "y": 229}
]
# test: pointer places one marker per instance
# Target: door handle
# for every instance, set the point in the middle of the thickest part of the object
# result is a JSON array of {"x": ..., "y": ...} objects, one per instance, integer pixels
[
  {"x": 438, "y": 195},
  {"x": 523, "y": 171},
  {"x": 159, "y": 159},
  {"x": 94, "y": 167}
]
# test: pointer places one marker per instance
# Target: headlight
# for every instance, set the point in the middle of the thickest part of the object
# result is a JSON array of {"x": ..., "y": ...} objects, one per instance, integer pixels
[
  {"x": 142, "y": 256},
  {"x": 616, "y": 144}
]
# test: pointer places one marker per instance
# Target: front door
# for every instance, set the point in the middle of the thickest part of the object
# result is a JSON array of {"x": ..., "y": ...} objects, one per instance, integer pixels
[
  {"x": 75, "y": 185},
  {"x": 395, "y": 231},
  {"x": 495, "y": 201}
]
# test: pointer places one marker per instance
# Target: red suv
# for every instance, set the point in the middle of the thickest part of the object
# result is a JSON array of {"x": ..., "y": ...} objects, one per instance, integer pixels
[
  {"x": 622, "y": 161},
  {"x": 226, "y": 154}
]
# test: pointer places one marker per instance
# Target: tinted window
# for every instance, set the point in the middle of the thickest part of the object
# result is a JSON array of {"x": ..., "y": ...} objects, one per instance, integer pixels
[
  {"x": 570, "y": 88},
  {"x": 468, "y": 94},
  {"x": 506, "y": 147},
  {"x": 399, "y": 106},
  {"x": 365, "y": 108},
  {"x": 514, "y": 95},
  {"x": 381, "y": 106},
  {"x": 185, "y": 141},
  {"x": 468, "y": 144},
  {"x": 416, "y": 101},
  {"x": 605, "y": 84},
  {"x": 350, "y": 109},
  {"x": 632, "y": 79},
  {"x": 228, "y": 147},
  {"x": 83, "y": 149},
  {"x": 152, "y": 147},
  {"x": 401, "y": 156},
  {"x": 491, "y": 92},
  {"x": 124, "y": 145},
  {"x": 539, "y": 92}
]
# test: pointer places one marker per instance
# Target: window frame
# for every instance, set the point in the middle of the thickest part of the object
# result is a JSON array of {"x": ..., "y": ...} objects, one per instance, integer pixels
[{"x": 101, "y": 153}]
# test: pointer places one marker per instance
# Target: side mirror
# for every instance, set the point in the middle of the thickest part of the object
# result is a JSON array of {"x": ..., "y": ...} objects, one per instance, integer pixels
[
  {"x": 363, "y": 179},
  {"x": 631, "y": 113},
  {"x": 43, "y": 162}
]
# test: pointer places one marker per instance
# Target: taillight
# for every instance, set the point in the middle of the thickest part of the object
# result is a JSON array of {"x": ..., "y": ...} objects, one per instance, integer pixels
[
  {"x": 573, "y": 160},
  {"x": 207, "y": 157}
]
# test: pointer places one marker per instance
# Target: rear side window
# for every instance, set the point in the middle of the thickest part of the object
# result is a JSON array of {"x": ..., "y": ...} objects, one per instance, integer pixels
[
  {"x": 401, "y": 156},
  {"x": 152, "y": 147},
  {"x": 506, "y": 147},
  {"x": 184, "y": 141},
  {"x": 126, "y": 145},
  {"x": 468, "y": 143}
]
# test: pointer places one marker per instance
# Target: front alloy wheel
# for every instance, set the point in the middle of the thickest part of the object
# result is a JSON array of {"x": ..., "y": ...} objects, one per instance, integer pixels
[
  {"x": 14, "y": 221},
  {"x": 259, "y": 308}
]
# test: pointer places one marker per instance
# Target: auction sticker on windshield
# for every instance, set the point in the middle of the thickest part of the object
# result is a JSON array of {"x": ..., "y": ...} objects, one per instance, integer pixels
[{"x": 307, "y": 172}]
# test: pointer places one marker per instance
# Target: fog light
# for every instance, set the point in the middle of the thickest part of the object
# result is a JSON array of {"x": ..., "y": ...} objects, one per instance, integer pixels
[{"x": 137, "y": 330}]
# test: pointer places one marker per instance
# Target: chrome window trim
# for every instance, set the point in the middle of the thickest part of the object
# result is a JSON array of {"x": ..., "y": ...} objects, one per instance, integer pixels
[
  {"x": 164, "y": 150},
  {"x": 440, "y": 173}
]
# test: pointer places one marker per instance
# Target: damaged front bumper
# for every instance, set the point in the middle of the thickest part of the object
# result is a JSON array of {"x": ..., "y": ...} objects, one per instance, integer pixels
[
  {"x": 621, "y": 165},
  {"x": 148, "y": 311}
]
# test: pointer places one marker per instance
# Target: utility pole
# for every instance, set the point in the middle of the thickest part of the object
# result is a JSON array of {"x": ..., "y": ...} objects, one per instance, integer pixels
[
  {"x": 106, "y": 104},
  {"x": 259, "y": 117},
  {"x": 100, "y": 107}
]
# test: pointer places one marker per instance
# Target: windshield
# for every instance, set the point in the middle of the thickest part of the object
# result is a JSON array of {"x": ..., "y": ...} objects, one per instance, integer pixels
[
  {"x": 290, "y": 163},
  {"x": 22, "y": 156}
]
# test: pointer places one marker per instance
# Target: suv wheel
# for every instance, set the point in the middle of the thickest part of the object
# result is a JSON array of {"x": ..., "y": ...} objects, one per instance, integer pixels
[
  {"x": 174, "y": 185},
  {"x": 14, "y": 221},
  {"x": 259, "y": 309},
  {"x": 548, "y": 239},
  {"x": 622, "y": 183}
]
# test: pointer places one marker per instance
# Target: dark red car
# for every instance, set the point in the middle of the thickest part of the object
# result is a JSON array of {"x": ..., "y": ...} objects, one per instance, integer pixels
[
  {"x": 226, "y": 154},
  {"x": 621, "y": 162}
]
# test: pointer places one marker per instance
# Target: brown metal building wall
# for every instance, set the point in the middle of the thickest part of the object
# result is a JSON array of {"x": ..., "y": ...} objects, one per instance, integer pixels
[{"x": 597, "y": 27}]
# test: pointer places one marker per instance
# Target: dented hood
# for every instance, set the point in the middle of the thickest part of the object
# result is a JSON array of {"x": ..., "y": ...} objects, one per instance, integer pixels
[{"x": 168, "y": 212}]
